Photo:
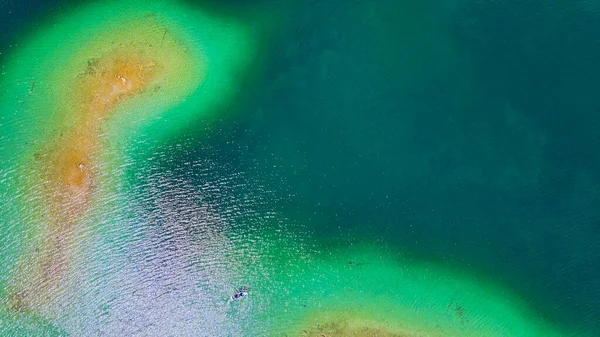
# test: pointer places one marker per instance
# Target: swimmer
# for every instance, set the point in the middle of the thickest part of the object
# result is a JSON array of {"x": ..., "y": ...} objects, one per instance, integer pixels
[{"x": 239, "y": 294}]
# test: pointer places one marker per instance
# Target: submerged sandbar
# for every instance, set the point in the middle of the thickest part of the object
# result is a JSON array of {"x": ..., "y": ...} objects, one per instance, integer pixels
[
  {"x": 370, "y": 290},
  {"x": 102, "y": 76}
]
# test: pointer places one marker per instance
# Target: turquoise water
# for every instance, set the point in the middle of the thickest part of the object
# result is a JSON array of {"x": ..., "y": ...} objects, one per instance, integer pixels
[{"x": 417, "y": 167}]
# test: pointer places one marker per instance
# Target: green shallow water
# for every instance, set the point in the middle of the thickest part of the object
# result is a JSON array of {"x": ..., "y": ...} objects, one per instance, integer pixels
[
  {"x": 355, "y": 165},
  {"x": 347, "y": 290}
]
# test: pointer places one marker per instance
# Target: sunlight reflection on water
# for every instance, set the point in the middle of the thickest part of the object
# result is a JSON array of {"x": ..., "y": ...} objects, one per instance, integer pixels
[{"x": 172, "y": 256}]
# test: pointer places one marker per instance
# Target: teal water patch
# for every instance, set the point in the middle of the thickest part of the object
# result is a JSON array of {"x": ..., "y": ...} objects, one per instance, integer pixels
[
  {"x": 413, "y": 123},
  {"x": 526, "y": 54}
]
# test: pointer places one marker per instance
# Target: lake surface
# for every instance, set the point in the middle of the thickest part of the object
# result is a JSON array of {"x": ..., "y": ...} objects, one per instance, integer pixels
[{"x": 357, "y": 168}]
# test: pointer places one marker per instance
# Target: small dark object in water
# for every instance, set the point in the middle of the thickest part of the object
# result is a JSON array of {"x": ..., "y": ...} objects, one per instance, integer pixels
[
  {"x": 240, "y": 293},
  {"x": 352, "y": 263}
]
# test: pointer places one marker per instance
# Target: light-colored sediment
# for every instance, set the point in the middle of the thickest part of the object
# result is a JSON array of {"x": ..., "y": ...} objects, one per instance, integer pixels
[
  {"x": 67, "y": 164},
  {"x": 89, "y": 84},
  {"x": 352, "y": 328}
]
